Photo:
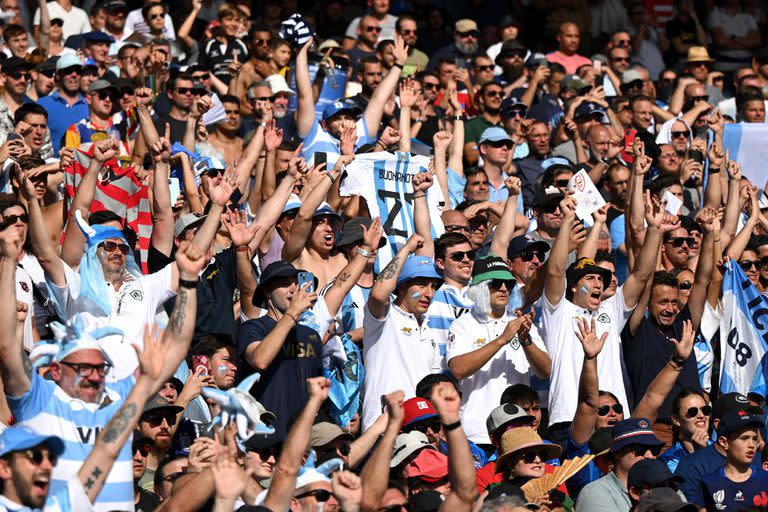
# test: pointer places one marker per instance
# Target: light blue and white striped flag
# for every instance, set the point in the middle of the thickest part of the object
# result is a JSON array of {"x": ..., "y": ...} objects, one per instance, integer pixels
[
  {"x": 746, "y": 144},
  {"x": 743, "y": 331}
]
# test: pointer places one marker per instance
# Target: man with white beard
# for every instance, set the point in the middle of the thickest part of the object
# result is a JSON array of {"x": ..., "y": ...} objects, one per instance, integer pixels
[{"x": 281, "y": 95}]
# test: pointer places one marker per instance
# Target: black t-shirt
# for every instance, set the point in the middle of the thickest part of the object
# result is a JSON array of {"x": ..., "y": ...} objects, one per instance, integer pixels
[
  {"x": 685, "y": 30},
  {"x": 177, "y": 127},
  {"x": 646, "y": 353},
  {"x": 613, "y": 214},
  {"x": 282, "y": 387},
  {"x": 148, "y": 501},
  {"x": 215, "y": 290},
  {"x": 217, "y": 56},
  {"x": 529, "y": 169}
]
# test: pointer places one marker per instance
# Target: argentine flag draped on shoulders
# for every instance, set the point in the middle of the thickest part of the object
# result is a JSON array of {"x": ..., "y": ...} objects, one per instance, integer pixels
[
  {"x": 384, "y": 180},
  {"x": 743, "y": 331}
]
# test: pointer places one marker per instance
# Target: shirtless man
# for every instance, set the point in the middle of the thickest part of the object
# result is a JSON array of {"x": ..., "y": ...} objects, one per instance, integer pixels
[
  {"x": 311, "y": 241},
  {"x": 226, "y": 138},
  {"x": 257, "y": 67}
]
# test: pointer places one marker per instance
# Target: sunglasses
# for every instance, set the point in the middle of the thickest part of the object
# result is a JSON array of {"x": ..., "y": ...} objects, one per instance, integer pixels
[
  {"x": 623, "y": 42},
  {"x": 50, "y": 73},
  {"x": 496, "y": 284},
  {"x": 699, "y": 98},
  {"x": 10, "y": 220},
  {"x": 685, "y": 285},
  {"x": 266, "y": 453},
  {"x": 184, "y": 90},
  {"x": 36, "y": 456},
  {"x": 528, "y": 255},
  {"x": 678, "y": 241},
  {"x": 683, "y": 134},
  {"x": 17, "y": 75},
  {"x": 156, "y": 16},
  {"x": 78, "y": 70},
  {"x": 514, "y": 54},
  {"x": 320, "y": 495},
  {"x": 264, "y": 98},
  {"x": 640, "y": 450},
  {"x": 471, "y": 33},
  {"x": 748, "y": 264},
  {"x": 86, "y": 370},
  {"x": 603, "y": 410},
  {"x": 213, "y": 173},
  {"x": 517, "y": 113},
  {"x": 201, "y": 77},
  {"x": 424, "y": 427},
  {"x": 110, "y": 246},
  {"x": 620, "y": 59},
  {"x": 430, "y": 85},
  {"x": 494, "y": 94},
  {"x": 477, "y": 225},
  {"x": 454, "y": 228},
  {"x": 692, "y": 412},
  {"x": 262, "y": 42},
  {"x": 550, "y": 207},
  {"x": 372, "y": 29},
  {"x": 104, "y": 95},
  {"x": 156, "y": 419},
  {"x": 562, "y": 183},
  {"x": 530, "y": 457},
  {"x": 499, "y": 144},
  {"x": 485, "y": 68},
  {"x": 143, "y": 449},
  {"x": 459, "y": 256},
  {"x": 409, "y": 32}
]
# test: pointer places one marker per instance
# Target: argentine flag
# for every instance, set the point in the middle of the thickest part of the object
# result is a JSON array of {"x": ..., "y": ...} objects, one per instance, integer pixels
[
  {"x": 743, "y": 331},
  {"x": 746, "y": 144}
]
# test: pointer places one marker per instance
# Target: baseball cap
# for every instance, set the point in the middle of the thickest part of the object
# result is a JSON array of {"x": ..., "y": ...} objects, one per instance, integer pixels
[
  {"x": 491, "y": 267},
  {"x": 186, "y": 221},
  {"x": 417, "y": 409},
  {"x": 650, "y": 473},
  {"x": 278, "y": 84},
  {"x": 408, "y": 443},
  {"x": 585, "y": 266},
  {"x": 336, "y": 107},
  {"x": 274, "y": 270},
  {"x": 19, "y": 438},
  {"x": 67, "y": 61},
  {"x": 590, "y": 109},
  {"x": 159, "y": 402},
  {"x": 115, "y": 5},
  {"x": 465, "y": 25},
  {"x": 425, "y": 501},
  {"x": 494, "y": 134},
  {"x": 505, "y": 413},
  {"x": 732, "y": 402},
  {"x": 429, "y": 465},
  {"x": 517, "y": 439},
  {"x": 47, "y": 65},
  {"x": 523, "y": 243},
  {"x": 535, "y": 60},
  {"x": 418, "y": 266},
  {"x": 664, "y": 499},
  {"x": 511, "y": 103},
  {"x": 208, "y": 163},
  {"x": 352, "y": 233},
  {"x": 324, "y": 432},
  {"x": 101, "y": 85},
  {"x": 574, "y": 83},
  {"x": 260, "y": 441},
  {"x": 546, "y": 196},
  {"x": 12, "y": 64},
  {"x": 97, "y": 36},
  {"x": 732, "y": 421},
  {"x": 633, "y": 431},
  {"x": 631, "y": 75}
]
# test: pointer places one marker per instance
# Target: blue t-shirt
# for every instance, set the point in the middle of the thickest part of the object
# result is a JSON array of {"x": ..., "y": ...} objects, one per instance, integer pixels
[
  {"x": 722, "y": 493},
  {"x": 282, "y": 386},
  {"x": 698, "y": 464},
  {"x": 585, "y": 475}
]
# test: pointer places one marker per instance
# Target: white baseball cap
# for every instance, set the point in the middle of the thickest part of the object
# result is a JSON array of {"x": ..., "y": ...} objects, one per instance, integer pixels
[{"x": 278, "y": 84}]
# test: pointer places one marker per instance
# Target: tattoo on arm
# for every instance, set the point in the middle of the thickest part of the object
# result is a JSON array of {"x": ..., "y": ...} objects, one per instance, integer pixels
[
  {"x": 390, "y": 270},
  {"x": 91, "y": 481},
  {"x": 119, "y": 422},
  {"x": 178, "y": 316},
  {"x": 26, "y": 363},
  {"x": 344, "y": 276}
]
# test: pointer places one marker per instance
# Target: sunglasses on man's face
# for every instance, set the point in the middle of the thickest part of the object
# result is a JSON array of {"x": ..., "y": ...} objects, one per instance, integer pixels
[
  {"x": 748, "y": 264},
  {"x": 424, "y": 427},
  {"x": 682, "y": 134},
  {"x": 470, "y": 33},
  {"x": 695, "y": 99},
  {"x": 489, "y": 67},
  {"x": 692, "y": 412},
  {"x": 430, "y": 85},
  {"x": 110, "y": 246},
  {"x": 455, "y": 228},
  {"x": 184, "y": 90},
  {"x": 10, "y": 220},
  {"x": 143, "y": 449},
  {"x": 18, "y": 75},
  {"x": 603, "y": 410},
  {"x": 459, "y": 256},
  {"x": 528, "y": 255},
  {"x": 156, "y": 16},
  {"x": 156, "y": 419},
  {"x": 320, "y": 495},
  {"x": 684, "y": 285},
  {"x": 496, "y": 284},
  {"x": 78, "y": 70},
  {"x": 37, "y": 455},
  {"x": 679, "y": 241}
]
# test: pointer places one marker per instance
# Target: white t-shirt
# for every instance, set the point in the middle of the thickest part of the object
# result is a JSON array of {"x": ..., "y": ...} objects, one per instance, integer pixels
[
  {"x": 482, "y": 391},
  {"x": 134, "y": 305},
  {"x": 75, "y": 21},
  {"x": 558, "y": 331},
  {"x": 398, "y": 351}
]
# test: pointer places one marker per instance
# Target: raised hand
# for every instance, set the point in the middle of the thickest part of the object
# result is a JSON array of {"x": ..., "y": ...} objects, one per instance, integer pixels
[
  {"x": 152, "y": 357},
  {"x": 514, "y": 185},
  {"x": 715, "y": 156},
  {"x": 196, "y": 381},
  {"x": 202, "y": 105},
  {"x": 229, "y": 478},
  {"x": 395, "y": 409},
  {"x": 408, "y": 94},
  {"x": 342, "y": 162},
  {"x": 161, "y": 148},
  {"x": 263, "y": 109},
  {"x": 642, "y": 163},
  {"x": 301, "y": 302},
  {"x": 66, "y": 157},
  {"x": 568, "y": 206},
  {"x": 239, "y": 232},
  {"x": 400, "y": 50},
  {"x": 616, "y": 145},
  {"x": 422, "y": 181},
  {"x": 372, "y": 235},
  {"x": 104, "y": 150},
  {"x": 414, "y": 242},
  {"x": 234, "y": 67},
  {"x": 578, "y": 235},
  {"x": 347, "y": 487},
  {"x": 348, "y": 138},
  {"x": 657, "y": 216},
  {"x": 143, "y": 96},
  {"x": 684, "y": 347},
  {"x": 317, "y": 388},
  {"x": 297, "y": 164},
  {"x": 601, "y": 214},
  {"x": 389, "y": 137},
  {"x": 221, "y": 193},
  {"x": 190, "y": 261},
  {"x": 587, "y": 335},
  {"x": 26, "y": 187},
  {"x": 442, "y": 139},
  {"x": 10, "y": 243},
  {"x": 273, "y": 136},
  {"x": 447, "y": 402},
  {"x": 715, "y": 122},
  {"x": 453, "y": 100},
  {"x": 734, "y": 169},
  {"x": 202, "y": 452}
]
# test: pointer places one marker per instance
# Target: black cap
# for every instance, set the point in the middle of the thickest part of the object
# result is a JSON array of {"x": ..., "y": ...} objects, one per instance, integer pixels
[
  {"x": 12, "y": 64},
  {"x": 650, "y": 473},
  {"x": 590, "y": 109},
  {"x": 732, "y": 421},
  {"x": 115, "y": 5},
  {"x": 260, "y": 441},
  {"x": 585, "y": 266},
  {"x": 732, "y": 402},
  {"x": 425, "y": 501},
  {"x": 140, "y": 439},
  {"x": 600, "y": 441},
  {"x": 160, "y": 402},
  {"x": 47, "y": 65},
  {"x": 352, "y": 232},
  {"x": 664, "y": 499},
  {"x": 545, "y": 196},
  {"x": 274, "y": 270},
  {"x": 524, "y": 242},
  {"x": 509, "y": 47},
  {"x": 505, "y": 489}
]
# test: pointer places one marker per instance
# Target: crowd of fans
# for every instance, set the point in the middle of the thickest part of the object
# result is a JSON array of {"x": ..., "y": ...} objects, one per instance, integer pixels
[{"x": 207, "y": 303}]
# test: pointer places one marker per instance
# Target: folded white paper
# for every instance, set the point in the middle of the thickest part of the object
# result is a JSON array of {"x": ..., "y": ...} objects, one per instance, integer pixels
[{"x": 588, "y": 199}]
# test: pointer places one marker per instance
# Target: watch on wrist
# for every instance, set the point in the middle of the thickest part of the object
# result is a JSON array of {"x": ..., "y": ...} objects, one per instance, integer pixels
[
  {"x": 401, "y": 66},
  {"x": 605, "y": 160},
  {"x": 526, "y": 342},
  {"x": 187, "y": 283},
  {"x": 677, "y": 361},
  {"x": 451, "y": 426}
]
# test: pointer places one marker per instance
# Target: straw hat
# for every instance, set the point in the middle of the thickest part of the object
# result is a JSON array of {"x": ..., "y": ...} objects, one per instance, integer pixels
[
  {"x": 518, "y": 439},
  {"x": 698, "y": 54}
]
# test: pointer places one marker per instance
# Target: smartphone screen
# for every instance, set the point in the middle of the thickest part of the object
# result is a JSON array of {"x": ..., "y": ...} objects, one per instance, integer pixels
[
  {"x": 321, "y": 157},
  {"x": 201, "y": 362},
  {"x": 629, "y": 141},
  {"x": 307, "y": 278}
]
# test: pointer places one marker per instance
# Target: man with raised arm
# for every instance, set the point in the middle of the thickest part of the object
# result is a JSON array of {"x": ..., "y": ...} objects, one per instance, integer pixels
[
  {"x": 78, "y": 366},
  {"x": 398, "y": 345},
  {"x": 575, "y": 292},
  {"x": 324, "y": 135}
]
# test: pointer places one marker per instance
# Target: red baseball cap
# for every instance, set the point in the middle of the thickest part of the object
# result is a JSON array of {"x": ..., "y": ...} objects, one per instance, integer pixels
[
  {"x": 417, "y": 409},
  {"x": 429, "y": 465}
]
